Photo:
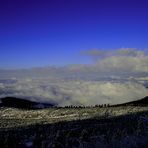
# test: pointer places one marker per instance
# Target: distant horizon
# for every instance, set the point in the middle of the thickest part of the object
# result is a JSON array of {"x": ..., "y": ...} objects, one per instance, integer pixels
[{"x": 90, "y": 59}]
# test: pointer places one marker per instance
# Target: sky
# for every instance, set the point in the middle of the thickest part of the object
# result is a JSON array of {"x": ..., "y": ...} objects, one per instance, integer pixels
[{"x": 36, "y": 33}]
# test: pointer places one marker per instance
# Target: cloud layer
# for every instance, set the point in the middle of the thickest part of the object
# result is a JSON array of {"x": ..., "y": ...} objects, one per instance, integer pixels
[
  {"x": 111, "y": 79},
  {"x": 124, "y": 60},
  {"x": 74, "y": 92}
]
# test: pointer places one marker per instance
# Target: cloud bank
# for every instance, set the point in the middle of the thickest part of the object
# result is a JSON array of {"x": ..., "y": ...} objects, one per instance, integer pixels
[
  {"x": 124, "y": 60},
  {"x": 121, "y": 62},
  {"x": 113, "y": 78},
  {"x": 74, "y": 92}
]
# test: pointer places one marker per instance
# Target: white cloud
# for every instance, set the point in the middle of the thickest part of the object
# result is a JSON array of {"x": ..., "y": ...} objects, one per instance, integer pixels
[
  {"x": 124, "y": 64},
  {"x": 129, "y": 52},
  {"x": 76, "y": 92},
  {"x": 83, "y": 84},
  {"x": 119, "y": 61}
]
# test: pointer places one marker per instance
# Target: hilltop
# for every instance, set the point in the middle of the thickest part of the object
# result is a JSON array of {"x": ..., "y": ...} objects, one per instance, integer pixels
[{"x": 140, "y": 102}]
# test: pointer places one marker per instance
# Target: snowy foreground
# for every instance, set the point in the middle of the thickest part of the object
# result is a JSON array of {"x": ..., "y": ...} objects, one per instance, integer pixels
[{"x": 80, "y": 127}]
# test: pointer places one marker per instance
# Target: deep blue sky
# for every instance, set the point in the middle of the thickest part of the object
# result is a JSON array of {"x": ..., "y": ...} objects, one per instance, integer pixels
[{"x": 53, "y": 32}]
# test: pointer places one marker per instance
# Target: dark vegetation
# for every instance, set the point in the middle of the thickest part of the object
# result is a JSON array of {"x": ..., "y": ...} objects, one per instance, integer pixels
[{"x": 123, "y": 131}]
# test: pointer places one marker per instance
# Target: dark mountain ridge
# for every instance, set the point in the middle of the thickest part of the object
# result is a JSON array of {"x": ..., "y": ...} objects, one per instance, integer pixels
[
  {"x": 23, "y": 103},
  {"x": 140, "y": 102},
  {"x": 27, "y": 104}
]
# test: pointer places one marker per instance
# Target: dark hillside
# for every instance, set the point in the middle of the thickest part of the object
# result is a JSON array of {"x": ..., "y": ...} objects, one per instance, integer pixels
[
  {"x": 22, "y": 103},
  {"x": 141, "y": 102}
]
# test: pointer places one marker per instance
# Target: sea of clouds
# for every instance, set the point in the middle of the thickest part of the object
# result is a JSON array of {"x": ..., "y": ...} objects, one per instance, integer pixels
[{"x": 115, "y": 77}]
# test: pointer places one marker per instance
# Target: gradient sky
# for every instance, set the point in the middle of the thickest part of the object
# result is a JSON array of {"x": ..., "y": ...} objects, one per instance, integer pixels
[{"x": 53, "y": 32}]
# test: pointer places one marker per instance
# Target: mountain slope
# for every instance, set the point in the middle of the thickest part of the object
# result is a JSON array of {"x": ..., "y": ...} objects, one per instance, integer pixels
[
  {"x": 22, "y": 103},
  {"x": 140, "y": 102}
]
